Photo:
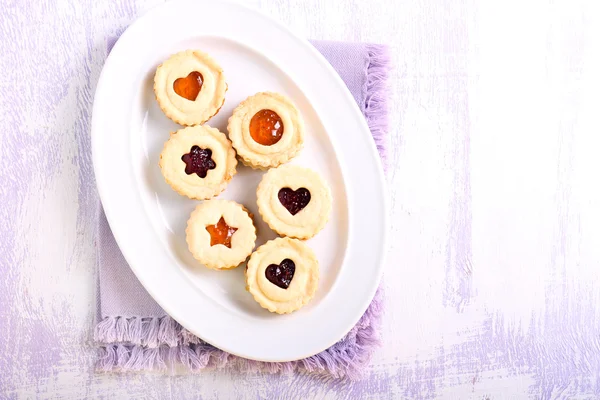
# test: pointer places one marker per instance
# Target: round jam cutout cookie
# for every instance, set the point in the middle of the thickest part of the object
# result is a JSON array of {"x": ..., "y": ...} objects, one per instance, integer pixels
[{"x": 266, "y": 130}]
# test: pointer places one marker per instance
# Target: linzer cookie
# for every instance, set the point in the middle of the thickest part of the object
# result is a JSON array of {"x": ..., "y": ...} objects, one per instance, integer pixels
[
  {"x": 198, "y": 162},
  {"x": 294, "y": 201},
  {"x": 190, "y": 87},
  {"x": 282, "y": 275},
  {"x": 220, "y": 234},
  {"x": 266, "y": 130}
]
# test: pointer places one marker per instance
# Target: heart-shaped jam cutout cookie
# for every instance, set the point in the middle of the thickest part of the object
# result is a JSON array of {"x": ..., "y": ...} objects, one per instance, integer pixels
[
  {"x": 198, "y": 161},
  {"x": 190, "y": 86},
  {"x": 221, "y": 233},
  {"x": 266, "y": 127},
  {"x": 294, "y": 200},
  {"x": 281, "y": 275}
]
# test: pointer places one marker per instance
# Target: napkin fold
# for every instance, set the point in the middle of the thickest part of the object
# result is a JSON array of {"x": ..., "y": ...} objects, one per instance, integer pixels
[{"x": 134, "y": 333}]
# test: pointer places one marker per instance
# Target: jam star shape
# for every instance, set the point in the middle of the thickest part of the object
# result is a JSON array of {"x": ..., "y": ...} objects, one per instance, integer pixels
[{"x": 221, "y": 233}]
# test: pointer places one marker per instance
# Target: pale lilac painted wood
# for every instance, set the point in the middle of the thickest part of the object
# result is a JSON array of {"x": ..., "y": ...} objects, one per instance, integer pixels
[{"x": 494, "y": 278}]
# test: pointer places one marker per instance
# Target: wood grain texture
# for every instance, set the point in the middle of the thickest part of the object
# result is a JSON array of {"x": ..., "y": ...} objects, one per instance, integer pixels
[{"x": 493, "y": 279}]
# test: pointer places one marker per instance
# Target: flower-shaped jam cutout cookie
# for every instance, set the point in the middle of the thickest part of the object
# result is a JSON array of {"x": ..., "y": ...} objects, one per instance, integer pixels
[{"x": 198, "y": 162}]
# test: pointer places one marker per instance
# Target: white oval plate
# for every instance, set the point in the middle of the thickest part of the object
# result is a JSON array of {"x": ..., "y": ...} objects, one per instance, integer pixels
[{"x": 148, "y": 218}]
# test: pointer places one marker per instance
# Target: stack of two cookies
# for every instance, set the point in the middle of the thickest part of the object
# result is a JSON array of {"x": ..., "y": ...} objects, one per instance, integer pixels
[{"x": 265, "y": 131}]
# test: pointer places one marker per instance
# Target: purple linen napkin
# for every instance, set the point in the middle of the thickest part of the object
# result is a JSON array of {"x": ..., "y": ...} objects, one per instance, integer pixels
[{"x": 134, "y": 333}]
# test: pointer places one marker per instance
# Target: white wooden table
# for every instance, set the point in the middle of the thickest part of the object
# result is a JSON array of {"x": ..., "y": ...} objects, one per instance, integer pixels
[{"x": 493, "y": 279}]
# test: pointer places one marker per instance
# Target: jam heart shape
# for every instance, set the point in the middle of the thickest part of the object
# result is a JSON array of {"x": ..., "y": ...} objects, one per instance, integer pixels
[
  {"x": 198, "y": 161},
  {"x": 281, "y": 275},
  {"x": 190, "y": 86},
  {"x": 294, "y": 200}
]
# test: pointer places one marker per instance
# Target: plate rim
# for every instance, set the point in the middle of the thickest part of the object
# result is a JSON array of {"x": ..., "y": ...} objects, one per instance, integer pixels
[{"x": 102, "y": 187}]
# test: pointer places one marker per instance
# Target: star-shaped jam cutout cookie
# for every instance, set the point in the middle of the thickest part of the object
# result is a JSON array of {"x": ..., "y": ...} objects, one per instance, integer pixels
[
  {"x": 221, "y": 233},
  {"x": 198, "y": 161}
]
